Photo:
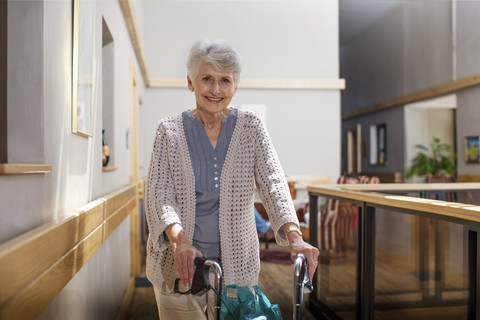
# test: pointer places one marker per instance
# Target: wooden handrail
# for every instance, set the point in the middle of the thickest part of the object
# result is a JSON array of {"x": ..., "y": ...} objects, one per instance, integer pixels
[
  {"x": 37, "y": 265},
  {"x": 411, "y": 186},
  {"x": 466, "y": 212},
  {"x": 425, "y": 94}
]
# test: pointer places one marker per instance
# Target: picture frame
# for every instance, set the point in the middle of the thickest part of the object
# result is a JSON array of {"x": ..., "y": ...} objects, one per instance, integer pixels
[
  {"x": 378, "y": 144},
  {"x": 83, "y": 75},
  {"x": 382, "y": 144},
  {"x": 472, "y": 149},
  {"x": 373, "y": 145}
]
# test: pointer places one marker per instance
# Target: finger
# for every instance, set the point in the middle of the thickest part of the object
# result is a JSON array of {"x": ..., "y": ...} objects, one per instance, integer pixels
[
  {"x": 313, "y": 265},
  {"x": 293, "y": 256},
  {"x": 190, "y": 267},
  {"x": 183, "y": 274},
  {"x": 182, "y": 268},
  {"x": 313, "y": 261},
  {"x": 311, "y": 273}
]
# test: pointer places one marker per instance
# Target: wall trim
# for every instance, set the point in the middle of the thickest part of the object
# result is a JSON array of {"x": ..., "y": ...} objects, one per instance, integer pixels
[
  {"x": 24, "y": 168},
  {"x": 37, "y": 265},
  {"x": 429, "y": 93},
  {"x": 261, "y": 83}
]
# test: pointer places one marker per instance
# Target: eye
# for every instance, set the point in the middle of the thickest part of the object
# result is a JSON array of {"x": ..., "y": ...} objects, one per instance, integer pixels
[
  {"x": 206, "y": 78},
  {"x": 226, "y": 80}
]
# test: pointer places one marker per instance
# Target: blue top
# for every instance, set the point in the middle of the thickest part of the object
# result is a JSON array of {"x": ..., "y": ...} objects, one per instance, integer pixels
[{"x": 207, "y": 165}]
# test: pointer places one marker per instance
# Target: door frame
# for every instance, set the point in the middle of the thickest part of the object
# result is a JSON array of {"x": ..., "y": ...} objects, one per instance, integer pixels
[{"x": 133, "y": 146}]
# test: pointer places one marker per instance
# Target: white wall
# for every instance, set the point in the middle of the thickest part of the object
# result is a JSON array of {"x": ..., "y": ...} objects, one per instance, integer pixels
[
  {"x": 77, "y": 177},
  {"x": 28, "y": 201},
  {"x": 407, "y": 50},
  {"x": 411, "y": 49},
  {"x": 277, "y": 39},
  {"x": 467, "y": 64},
  {"x": 373, "y": 62}
]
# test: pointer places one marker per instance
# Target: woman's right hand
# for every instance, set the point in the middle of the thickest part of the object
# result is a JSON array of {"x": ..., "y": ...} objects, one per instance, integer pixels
[{"x": 184, "y": 253}]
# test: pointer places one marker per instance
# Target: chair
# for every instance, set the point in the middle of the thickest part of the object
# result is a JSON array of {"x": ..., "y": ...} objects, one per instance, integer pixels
[
  {"x": 339, "y": 218},
  {"x": 259, "y": 206},
  {"x": 449, "y": 196}
]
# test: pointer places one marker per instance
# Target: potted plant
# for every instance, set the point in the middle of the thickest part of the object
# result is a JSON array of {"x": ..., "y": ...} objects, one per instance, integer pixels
[{"x": 439, "y": 160}]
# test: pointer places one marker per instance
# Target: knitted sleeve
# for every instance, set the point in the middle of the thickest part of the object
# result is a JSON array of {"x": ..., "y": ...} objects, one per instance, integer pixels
[
  {"x": 272, "y": 185},
  {"x": 161, "y": 207}
]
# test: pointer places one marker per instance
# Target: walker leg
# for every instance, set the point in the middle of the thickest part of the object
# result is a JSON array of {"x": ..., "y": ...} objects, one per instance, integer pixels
[
  {"x": 218, "y": 284},
  {"x": 301, "y": 284}
]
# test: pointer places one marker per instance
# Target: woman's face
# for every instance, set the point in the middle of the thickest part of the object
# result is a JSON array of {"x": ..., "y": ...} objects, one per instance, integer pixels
[{"x": 213, "y": 89}]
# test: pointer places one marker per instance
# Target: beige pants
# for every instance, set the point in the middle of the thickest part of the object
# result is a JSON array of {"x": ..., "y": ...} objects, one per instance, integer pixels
[{"x": 186, "y": 306}]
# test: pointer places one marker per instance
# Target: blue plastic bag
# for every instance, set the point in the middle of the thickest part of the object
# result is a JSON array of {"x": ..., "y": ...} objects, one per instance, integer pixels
[{"x": 239, "y": 303}]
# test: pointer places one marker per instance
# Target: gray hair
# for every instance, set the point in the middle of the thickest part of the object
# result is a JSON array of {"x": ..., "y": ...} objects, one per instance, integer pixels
[{"x": 222, "y": 56}]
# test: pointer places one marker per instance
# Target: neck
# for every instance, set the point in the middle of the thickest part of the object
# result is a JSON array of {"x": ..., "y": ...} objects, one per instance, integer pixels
[{"x": 211, "y": 120}]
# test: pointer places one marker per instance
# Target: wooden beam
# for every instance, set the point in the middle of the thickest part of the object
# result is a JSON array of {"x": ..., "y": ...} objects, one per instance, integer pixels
[
  {"x": 425, "y": 94},
  {"x": 133, "y": 31},
  {"x": 261, "y": 83},
  {"x": 37, "y": 265},
  {"x": 24, "y": 168}
]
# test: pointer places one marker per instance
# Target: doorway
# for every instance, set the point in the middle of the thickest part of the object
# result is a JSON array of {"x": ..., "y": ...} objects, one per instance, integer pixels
[
  {"x": 354, "y": 152},
  {"x": 427, "y": 119}
]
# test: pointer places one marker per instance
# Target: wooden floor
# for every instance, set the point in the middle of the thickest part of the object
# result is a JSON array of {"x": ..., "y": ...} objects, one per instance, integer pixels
[{"x": 276, "y": 281}]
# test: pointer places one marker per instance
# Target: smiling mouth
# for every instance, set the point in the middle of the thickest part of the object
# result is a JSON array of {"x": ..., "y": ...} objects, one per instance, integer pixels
[{"x": 213, "y": 99}]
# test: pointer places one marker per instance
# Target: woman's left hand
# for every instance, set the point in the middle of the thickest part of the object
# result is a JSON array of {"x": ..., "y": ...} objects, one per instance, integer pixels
[{"x": 297, "y": 246}]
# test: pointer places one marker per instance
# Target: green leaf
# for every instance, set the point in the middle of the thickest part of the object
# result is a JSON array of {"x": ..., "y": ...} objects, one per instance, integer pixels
[{"x": 438, "y": 159}]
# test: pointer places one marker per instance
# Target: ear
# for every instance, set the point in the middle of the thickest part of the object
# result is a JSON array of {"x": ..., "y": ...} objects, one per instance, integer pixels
[{"x": 190, "y": 84}]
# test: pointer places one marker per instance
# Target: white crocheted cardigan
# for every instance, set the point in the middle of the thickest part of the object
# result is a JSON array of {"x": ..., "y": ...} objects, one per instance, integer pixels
[{"x": 251, "y": 161}]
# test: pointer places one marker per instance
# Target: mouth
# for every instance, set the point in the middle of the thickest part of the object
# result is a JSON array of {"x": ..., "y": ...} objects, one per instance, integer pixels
[{"x": 214, "y": 99}]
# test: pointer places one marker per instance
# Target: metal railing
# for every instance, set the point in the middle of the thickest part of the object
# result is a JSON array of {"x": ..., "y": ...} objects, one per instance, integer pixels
[{"x": 373, "y": 204}]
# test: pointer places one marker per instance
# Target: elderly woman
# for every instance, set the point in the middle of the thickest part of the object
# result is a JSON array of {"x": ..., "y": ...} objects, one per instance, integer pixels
[{"x": 205, "y": 166}]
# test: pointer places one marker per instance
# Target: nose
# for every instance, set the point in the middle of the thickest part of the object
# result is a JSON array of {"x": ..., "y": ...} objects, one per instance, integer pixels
[{"x": 215, "y": 88}]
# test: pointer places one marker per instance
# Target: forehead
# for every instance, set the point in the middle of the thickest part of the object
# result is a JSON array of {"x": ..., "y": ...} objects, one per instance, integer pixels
[{"x": 208, "y": 69}]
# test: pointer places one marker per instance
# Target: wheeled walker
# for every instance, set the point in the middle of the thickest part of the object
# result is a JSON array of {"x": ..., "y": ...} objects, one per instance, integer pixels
[{"x": 201, "y": 283}]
